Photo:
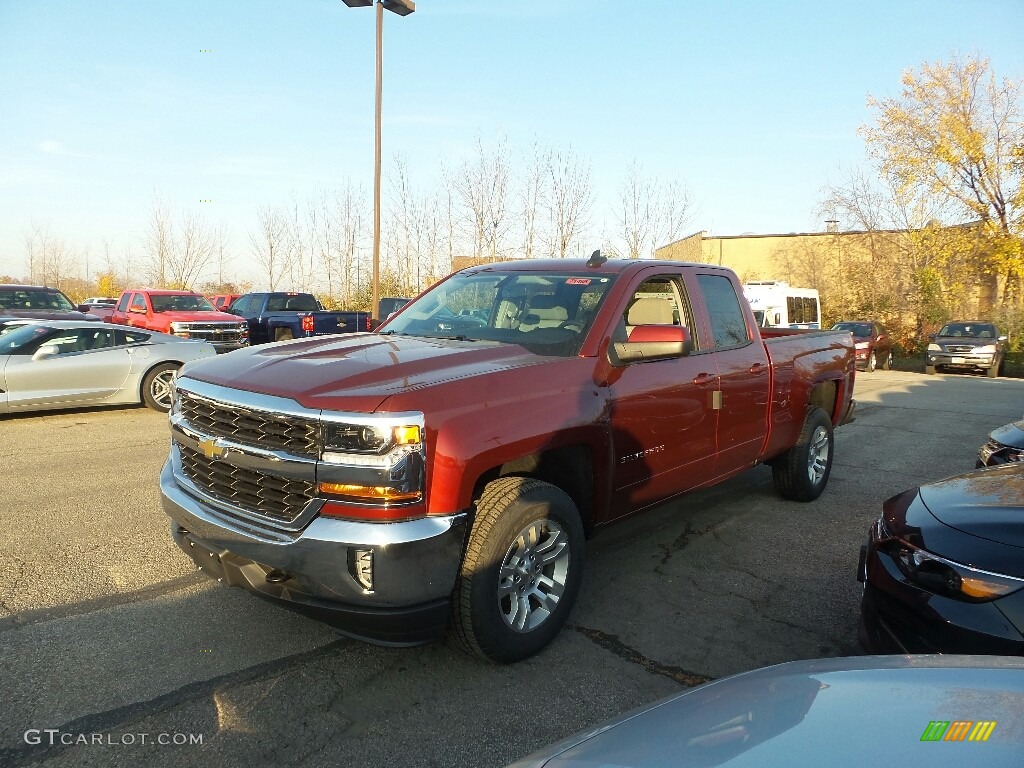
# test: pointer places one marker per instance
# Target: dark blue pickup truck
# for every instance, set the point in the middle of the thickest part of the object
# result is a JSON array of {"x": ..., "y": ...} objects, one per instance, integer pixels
[{"x": 282, "y": 315}]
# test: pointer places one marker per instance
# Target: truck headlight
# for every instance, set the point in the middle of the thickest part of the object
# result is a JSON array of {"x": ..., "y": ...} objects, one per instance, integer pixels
[
  {"x": 934, "y": 348},
  {"x": 988, "y": 349},
  {"x": 367, "y": 438}
]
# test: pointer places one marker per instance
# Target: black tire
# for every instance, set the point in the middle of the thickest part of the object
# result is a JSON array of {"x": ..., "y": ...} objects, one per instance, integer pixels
[
  {"x": 156, "y": 386},
  {"x": 992, "y": 371},
  {"x": 930, "y": 370},
  {"x": 801, "y": 474},
  {"x": 283, "y": 334},
  {"x": 872, "y": 361},
  {"x": 517, "y": 519},
  {"x": 887, "y": 363}
]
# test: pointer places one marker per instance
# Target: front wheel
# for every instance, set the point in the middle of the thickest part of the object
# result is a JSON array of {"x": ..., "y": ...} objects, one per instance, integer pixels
[
  {"x": 930, "y": 370},
  {"x": 802, "y": 473},
  {"x": 157, "y": 387},
  {"x": 521, "y": 572},
  {"x": 887, "y": 363},
  {"x": 872, "y": 362},
  {"x": 993, "y": 370}
]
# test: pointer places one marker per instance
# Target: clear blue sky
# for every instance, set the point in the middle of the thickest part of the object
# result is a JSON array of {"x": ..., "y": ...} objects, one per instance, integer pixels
[{"x": 754, "y": 105}]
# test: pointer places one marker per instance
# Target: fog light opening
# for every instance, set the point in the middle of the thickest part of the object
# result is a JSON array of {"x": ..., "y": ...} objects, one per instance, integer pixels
[{"x": 360, "y": 565}]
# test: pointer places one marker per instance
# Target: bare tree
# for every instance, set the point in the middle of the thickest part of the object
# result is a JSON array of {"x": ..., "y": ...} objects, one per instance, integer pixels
[
  {"x": 160, "y": 245},
  {"x": 638, "y": 212},
  {"x": 194, "y": 247},
  {"x": 482, "y": 186},
  {"x": 271, "y": 245},
  {"x": 532, "y": 197},
  {"x": 569, "y": 201}
]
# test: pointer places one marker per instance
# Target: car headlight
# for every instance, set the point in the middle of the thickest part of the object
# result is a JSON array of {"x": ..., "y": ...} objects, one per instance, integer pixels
[
  {"x": 988, "y": 349},
  {"x": 934, "y": 348},
  {"x": 952, "y": 579}
]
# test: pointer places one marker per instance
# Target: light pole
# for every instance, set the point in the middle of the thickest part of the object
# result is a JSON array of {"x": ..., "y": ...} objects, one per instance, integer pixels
[{"x": 402, "y": 8}]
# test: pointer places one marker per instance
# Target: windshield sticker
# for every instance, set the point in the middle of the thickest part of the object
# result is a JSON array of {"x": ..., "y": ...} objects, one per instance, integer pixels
[{"x": 578, "y": 281}]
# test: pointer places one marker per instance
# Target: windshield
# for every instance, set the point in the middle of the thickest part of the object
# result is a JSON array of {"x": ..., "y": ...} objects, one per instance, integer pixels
[
  {"x": 34, "y": 298},
  {"x": 969, "y": 330},
  {"x": 181, "y": 303},
  {"x": 547, "y": 313},
  {"x": 857, "y": 329}
]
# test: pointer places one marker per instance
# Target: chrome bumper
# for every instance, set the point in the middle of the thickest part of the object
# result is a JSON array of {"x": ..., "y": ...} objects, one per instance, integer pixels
[{"x": 314, "y": 570}]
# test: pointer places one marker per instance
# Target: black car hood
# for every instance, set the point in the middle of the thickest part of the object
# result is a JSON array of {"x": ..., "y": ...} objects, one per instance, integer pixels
[
  {"x": 1009, "y": 434},
  {"x": 987, "y": 504}
]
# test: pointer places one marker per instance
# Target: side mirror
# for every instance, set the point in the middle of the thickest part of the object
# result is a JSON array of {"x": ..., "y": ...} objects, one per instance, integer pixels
[
  {"x": 653, "y": 342},
  {"x": 931, "y": 337},
  {"x": 84, "y": 307},
  {"x": 46, "y": 351},
  {"x": 778, "y": 319},
  {"x": 137, "y": 310}
]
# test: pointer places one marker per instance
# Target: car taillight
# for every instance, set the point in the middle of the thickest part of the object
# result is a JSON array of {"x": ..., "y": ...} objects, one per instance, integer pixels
[
  {"x": 369, "y": 324},
  {"x": 307, "y": 324}
]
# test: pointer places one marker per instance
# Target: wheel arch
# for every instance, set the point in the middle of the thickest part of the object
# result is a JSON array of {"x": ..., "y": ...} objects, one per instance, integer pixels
[
  {"x": 145, "y": 374},
  {"x": 568, "y": 468}
]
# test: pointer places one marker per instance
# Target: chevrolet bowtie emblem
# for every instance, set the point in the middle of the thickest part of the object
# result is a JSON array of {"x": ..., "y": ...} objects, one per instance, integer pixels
[{"x": 209, "y": 448}]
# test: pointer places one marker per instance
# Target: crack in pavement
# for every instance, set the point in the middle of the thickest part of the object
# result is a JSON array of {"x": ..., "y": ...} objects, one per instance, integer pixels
[
  {"x": 683, "y": 540},
  {"x": 122, "y": 717},
  {"x": 617, "y": 647}
]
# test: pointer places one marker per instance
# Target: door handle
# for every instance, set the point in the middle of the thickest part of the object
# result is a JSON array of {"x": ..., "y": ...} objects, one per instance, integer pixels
[
  {"x": 703, "y": 379},
  {"x": 758, "y": 368}
]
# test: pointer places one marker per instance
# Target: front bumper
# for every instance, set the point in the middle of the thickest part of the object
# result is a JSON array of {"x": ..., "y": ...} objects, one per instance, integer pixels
[
  {"x": 314, "y": 571},
  {"x": 966, "y": 361},
  {"x": 897, "y": 616}
]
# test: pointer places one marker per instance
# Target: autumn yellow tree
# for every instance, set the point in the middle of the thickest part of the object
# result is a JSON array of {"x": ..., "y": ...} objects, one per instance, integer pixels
[{"x": 955, "y": 134}]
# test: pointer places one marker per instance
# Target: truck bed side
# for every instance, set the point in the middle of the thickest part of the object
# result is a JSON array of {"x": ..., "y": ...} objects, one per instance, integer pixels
[{"x": 808, "y": 368}]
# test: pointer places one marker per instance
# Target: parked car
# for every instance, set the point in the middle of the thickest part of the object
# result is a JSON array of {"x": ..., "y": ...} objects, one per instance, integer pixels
[
  {"x": 99, "y": 302},
  {"x": 49, "y": 365},
  {"x": 180, "y": 313},
  {"x": 8, "y": 323},
  {"x": 872, "y": 342},
  {"x": 943, "y": 570},
  {"x": 284, "y": 315},
  {"x": 841, "y": 712},
  {"x": 967, "y": 346},
  {"x": 223, "y": 300},
  {"x": 1004, "y": 445},
  {"x": 38, "y": 302},
  {"x": 447, "y": 469}
]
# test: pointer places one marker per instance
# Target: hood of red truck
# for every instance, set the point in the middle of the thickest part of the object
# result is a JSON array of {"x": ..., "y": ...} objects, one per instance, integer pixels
[{"x": 356, "y": 372}]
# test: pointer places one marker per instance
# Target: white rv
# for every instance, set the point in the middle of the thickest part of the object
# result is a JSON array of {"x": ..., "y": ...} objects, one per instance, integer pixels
[{"x": 777, "y": 305}]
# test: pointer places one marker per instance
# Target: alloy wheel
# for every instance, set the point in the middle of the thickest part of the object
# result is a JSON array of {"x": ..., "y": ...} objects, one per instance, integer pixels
[
  {"x": 817, "y": 455},
  {"x": 533, "y": 575}
]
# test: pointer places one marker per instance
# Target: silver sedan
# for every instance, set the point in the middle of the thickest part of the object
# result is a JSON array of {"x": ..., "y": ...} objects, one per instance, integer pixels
[{"x": 57, "y": 364}]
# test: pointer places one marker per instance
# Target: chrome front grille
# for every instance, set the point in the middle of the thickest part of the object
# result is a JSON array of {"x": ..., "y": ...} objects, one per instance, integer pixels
[
  {"x": 250, "y": 426},
  {"x": 276, "y": 498},
  {"x": 959, "y": 349}
]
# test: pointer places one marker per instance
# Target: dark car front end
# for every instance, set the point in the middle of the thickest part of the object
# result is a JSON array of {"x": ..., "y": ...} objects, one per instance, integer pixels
[
  {"x": 967, "y": 347},
  {"x": 943, "y": 570},
  {"x": 1004, "y": 445}
]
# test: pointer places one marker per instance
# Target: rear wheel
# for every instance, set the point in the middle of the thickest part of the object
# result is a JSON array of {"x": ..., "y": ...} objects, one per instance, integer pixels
[
  {"x": 157, "y": 386},
  {"x": 802, "y": 473},
  {"x": 283, "y": 334},
  {"x": 521, "y": 572},
  {"x": 872, "y": 361},
  {"x": 887, "y": 363}
]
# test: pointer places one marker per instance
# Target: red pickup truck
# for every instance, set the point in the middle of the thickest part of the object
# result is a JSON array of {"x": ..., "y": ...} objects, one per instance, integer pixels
[
  {"x": 443, "y": 472},
  {"x": 180, "y": 313}
]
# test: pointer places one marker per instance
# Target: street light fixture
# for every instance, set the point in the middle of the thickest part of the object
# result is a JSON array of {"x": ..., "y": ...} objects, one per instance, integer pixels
[{"x": 402, "y": 8}]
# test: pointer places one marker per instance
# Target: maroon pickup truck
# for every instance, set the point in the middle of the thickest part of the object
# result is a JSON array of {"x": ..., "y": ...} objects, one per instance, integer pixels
[{"x": 444, "y": 472}]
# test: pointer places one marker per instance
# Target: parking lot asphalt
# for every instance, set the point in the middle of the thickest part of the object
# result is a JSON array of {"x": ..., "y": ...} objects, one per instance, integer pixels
[{"x": 111, "y": 638}]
